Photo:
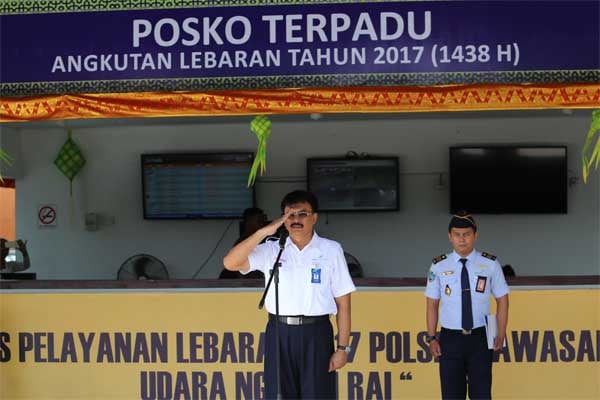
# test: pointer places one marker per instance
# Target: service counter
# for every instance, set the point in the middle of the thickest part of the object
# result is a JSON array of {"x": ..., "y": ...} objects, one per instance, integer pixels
[
  {"x": 371, "y": 283},
  {"x": 203, "y": 339}
]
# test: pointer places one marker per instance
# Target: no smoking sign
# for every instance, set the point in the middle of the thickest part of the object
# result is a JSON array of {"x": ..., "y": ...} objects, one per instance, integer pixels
[{"x": 46, "y": 215}]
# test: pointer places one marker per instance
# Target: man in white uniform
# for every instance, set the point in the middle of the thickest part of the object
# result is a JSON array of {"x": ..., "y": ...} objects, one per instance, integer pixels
[{"x": 314, "y": 282}]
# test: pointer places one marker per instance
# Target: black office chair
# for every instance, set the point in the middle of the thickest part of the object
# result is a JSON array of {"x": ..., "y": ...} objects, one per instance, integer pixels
[{"x": 354, "y": 266}]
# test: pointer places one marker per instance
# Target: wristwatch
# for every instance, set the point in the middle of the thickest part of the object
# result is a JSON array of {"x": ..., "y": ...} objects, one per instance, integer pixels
[
  {"x": 347, "y": 349},
  {"x": 430, "y": 338}
]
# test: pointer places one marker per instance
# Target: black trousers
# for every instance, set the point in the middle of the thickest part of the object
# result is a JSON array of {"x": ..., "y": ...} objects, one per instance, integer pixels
[
  {"x": 305, "y": 351},
  {"x": 466, "y": 362}
]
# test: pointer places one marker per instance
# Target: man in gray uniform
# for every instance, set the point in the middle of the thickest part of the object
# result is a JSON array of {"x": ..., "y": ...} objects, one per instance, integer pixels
[{"x": 458, "y": 291}]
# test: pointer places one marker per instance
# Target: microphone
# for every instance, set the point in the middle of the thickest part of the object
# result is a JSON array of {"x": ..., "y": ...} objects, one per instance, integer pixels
[{"x": 282, "y": 237}]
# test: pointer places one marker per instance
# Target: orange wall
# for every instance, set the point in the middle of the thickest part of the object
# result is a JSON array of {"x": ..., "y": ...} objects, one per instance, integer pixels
[{"x": 7, "y": 213}]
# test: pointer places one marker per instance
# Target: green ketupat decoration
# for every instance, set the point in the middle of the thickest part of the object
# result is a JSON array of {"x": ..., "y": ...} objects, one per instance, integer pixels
[
  {"x": 261, "y": 126},
  {"x": 594, "y": 159},
  {"x": 69, "y": 160}
]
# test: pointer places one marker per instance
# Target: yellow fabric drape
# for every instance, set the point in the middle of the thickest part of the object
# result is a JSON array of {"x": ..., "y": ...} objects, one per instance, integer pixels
[{"x": 301, "y": 101}]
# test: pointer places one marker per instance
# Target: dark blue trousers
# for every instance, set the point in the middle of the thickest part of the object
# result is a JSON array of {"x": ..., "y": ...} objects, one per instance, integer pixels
[
  {"x": 466, "y": 362},
  {"x": 305, "y": 351}
]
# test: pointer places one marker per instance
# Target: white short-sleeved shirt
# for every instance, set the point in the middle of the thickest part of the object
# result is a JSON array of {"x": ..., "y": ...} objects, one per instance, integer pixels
[
  {"x": 485, "y": 278},
  {"x": 309, "y": 279}
]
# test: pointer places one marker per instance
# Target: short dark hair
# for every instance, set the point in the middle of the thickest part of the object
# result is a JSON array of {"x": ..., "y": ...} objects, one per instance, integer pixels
[
  {"x": 300, "y": 196},
  {"x": 508, "y": 271},
  {"x": 251, "y": 211}
]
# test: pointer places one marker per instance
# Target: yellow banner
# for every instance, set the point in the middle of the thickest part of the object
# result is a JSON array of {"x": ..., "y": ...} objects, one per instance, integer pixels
[
  {"x": 301, "y": 101},
  {"x": 210, "y": 345}
]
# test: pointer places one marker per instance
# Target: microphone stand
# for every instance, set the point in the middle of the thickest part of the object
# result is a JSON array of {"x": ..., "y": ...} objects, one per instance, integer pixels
[{"x": 275, "y": 273}]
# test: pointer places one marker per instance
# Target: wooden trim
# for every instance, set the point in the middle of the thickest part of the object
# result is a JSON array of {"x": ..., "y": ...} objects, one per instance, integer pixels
[{"x": 7, "y": 210}]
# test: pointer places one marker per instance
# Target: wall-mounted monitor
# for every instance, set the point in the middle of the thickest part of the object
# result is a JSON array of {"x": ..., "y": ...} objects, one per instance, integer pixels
[
  {"x": 508, "y": 179},
  {"x": 354, "y": 184},
  {"x": 198, "y": 185}
]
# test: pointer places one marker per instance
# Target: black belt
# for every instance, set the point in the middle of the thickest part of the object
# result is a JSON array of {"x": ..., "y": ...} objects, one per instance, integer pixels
[
  {"x": 474, "y": 331},
  {"x": 298, "y": 319}
]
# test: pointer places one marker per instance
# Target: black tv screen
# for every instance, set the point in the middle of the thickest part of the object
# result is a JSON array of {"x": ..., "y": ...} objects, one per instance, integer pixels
[
  {"x": 364, "y": 184},
  {"x": 199, "y": 185},
  {"x": 508, "y": 179}
]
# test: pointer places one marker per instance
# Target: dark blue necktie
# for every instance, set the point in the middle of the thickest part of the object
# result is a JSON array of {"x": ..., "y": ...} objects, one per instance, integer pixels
[{"x": 467, "y": 309}]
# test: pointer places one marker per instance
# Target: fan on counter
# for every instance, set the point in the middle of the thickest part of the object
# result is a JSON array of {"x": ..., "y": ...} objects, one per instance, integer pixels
[{"x": 142, "y": 267}]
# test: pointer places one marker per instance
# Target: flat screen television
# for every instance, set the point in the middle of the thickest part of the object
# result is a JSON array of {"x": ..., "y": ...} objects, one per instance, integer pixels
[
  {"x": 508, "y": 179},
  {"x": 349, "y": 184},
  {"x": 196, "y": 185}
]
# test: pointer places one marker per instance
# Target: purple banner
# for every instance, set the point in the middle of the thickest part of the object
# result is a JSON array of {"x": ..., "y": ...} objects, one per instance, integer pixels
[{"x": 230, "y": 47}]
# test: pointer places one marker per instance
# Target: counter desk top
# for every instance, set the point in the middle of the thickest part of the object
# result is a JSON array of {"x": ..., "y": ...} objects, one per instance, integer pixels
[{"x": 6, "y": 285}]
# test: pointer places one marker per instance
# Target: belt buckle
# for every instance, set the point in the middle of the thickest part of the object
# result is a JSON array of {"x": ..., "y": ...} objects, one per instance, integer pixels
[
  {"x": 467, "y": 331},
  {"x": 294, "y": 320}
]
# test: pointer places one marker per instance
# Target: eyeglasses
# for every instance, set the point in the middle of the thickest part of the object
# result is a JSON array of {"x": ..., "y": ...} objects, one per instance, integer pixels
[{"x": 300, "y": 215}]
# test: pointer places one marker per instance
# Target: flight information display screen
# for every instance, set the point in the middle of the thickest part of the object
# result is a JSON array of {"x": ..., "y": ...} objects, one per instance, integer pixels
[
  {"x": 199, "y": 185},
  {"x": 364, "y": 184}
]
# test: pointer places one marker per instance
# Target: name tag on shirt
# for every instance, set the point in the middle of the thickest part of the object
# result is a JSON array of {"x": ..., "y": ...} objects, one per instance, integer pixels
[
  {"x": 315, "y": 275},
  {"x": 481, "y": 282}
]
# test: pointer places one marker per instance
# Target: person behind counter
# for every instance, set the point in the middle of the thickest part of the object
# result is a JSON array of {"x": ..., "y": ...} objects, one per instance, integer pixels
[{"x": 253, "y": 219}]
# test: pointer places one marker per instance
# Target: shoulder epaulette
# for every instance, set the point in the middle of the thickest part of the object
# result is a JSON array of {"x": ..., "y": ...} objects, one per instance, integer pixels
[
  {"x": 488, "y": 255},
  {"x": 439, "y": 258}
]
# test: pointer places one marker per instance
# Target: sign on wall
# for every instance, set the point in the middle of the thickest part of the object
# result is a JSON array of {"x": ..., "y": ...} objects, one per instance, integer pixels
[
  {"x": 46, "y": 216},
  {"x": 63, "y": 46},
  {"x": 209, "y": 345}
]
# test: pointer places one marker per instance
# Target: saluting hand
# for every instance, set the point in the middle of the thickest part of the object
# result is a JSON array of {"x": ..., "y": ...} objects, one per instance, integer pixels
[{"x": 271, "y": 228}]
